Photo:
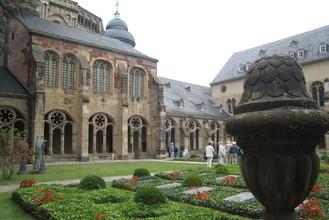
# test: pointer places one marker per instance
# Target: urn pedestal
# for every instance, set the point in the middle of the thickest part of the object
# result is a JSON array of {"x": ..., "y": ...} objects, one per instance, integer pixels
[{"x": 278, "y": 125}]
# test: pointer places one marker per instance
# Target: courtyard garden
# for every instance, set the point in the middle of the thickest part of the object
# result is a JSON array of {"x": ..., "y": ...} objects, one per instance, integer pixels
[{"x": 190, "y": 192}]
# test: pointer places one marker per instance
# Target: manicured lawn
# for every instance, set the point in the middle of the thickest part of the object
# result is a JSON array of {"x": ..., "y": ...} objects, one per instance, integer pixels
[
  {"x": 77, "y": 171},
  {"x": 9, "y": 210}
]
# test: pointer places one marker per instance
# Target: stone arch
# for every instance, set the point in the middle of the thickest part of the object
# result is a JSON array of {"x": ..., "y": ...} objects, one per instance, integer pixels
[
  {"x": 101, "y": 130},
  {"x": 170, "y": 131},
  {"x": 12, "y": 118},
  {"x": 317, "y": 90},
  {"x": 193, "y": 127},
  {"x": 57, "y": 18},
  {"x": 138, "y": 135},
  {"x": 59, "y": 128}
]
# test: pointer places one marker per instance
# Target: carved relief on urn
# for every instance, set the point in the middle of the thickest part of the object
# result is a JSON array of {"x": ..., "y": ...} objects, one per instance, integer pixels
[{"x": 278, "y": 126}]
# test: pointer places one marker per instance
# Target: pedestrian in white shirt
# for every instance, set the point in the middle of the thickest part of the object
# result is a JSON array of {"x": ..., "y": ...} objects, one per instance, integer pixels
[
  {"x": 221, "y": 153},
  {"x": 209, "y": 153}
]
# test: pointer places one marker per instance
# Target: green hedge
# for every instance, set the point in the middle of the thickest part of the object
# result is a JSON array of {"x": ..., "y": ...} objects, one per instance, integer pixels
[{"x": 82, "y": 204}]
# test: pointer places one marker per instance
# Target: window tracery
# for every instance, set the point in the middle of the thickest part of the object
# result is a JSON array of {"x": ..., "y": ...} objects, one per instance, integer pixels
[
  {"x": 68, "y": 72},
  {"x": 51, "y": 65},
  {"x": 102, "y": 72},
  {"x": 136, "y": 82}
]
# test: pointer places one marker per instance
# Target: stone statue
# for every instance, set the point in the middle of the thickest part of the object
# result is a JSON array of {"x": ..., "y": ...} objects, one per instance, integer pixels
[{"x": 39, "y": 164}]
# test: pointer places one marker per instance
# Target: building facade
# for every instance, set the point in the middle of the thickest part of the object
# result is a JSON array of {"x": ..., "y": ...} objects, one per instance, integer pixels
[
  {"x": 91, "y": 95},
  {"x": 310, "y": 49},
  {"x": 192, "y": 117}
]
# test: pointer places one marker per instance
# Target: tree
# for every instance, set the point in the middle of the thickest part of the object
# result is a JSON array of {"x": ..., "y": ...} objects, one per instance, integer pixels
[
  {"x": 13, "y": 149},
  {"x": 9, "y": 9}
]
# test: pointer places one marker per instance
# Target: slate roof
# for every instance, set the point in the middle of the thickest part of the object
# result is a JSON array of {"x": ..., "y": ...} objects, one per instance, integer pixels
[
  {"x": 9, "y": 86},
  {"x": 308, "y": 41},
  {"x": 192, "y": 100},
  {"x": 51, "y": 29}
]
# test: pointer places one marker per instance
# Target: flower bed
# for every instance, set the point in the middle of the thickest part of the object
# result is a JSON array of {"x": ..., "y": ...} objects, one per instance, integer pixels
[{"x": 110, "y": 203}]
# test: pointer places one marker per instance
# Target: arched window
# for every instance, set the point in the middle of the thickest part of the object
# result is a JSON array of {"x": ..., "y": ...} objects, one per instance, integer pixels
[
  {"x": 136, "y": 82},
  {"x": 317, "y": 89},
  {"x": 68, "y": 70},
  {"x": 51, "y": 65},
  {"x": 102, "y": 72}
]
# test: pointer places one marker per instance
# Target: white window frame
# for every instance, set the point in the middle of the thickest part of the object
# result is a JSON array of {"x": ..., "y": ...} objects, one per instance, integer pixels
[
  {"x": 242, "y": 68},
  {"x": 301, "y": 53},
  {"x": 323, "y": 48}
]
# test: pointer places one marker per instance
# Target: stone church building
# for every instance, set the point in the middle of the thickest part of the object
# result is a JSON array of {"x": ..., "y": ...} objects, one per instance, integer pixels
[{"x": 91, "y": 95}]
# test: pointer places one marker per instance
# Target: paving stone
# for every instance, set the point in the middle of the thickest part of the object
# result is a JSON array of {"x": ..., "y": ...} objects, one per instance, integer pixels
[
  {"x": 200, "y": 189},
  {"x": 169, "y": 186},
  {"x": 241, "y": 197}
]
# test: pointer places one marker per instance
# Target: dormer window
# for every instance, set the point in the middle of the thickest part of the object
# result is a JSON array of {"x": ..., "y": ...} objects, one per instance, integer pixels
[
  {"x": 301, "y": 54},
  {"x": 323, "y": 48},
  {"x": 242, "y": 68},
  {"x": 292, "y": 54},
  {"x": 202, "y": 107},
  {"x": 293, "y": 43},
  {"x": 248, "y": 66},
  {"x": 261, "y": 53},
  {"x": 181, "y": 103},
  {"x": 168, "y": 85}
]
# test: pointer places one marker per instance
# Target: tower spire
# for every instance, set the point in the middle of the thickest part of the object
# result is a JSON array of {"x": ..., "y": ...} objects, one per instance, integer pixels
[{"x": 117, "y": 14}]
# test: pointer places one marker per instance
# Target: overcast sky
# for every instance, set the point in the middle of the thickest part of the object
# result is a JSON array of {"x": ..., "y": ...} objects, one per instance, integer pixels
[{"x": 192, "y": 39}]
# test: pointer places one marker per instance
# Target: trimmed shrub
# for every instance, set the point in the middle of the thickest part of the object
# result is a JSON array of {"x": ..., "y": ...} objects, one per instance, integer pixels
[
  {"x": 192, "y": 180},
  {"x": 150, "y": 195},
  {"x": 221, "y": 169},
  {"x": 109, "y": 199},
  {"x": 92, "y": 182},
  {"x": 141, "y": 172}
]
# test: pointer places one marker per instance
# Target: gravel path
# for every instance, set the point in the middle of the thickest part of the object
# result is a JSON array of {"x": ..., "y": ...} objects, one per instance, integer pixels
[{"x": 11, "y": 187}]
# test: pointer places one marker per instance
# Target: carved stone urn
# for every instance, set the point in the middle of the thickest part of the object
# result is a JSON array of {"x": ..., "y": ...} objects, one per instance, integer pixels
[{"x": 278, "y": 125}]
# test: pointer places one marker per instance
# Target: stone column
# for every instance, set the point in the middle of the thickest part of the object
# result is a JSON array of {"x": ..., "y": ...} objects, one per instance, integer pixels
[
  {"x": 62, "y": 141},
  {"x": 50, "y": 143},
  {"x": 94, "y": 140},
  {"x": 278, "y": 125},
  {"x": 104, "y": 140}
]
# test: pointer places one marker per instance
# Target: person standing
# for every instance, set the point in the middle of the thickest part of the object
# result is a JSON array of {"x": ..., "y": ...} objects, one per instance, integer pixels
[
  {"x": 172, "y": 151},
  {"x": 209, "y": 153},
  {"x": 221, "y": 153}
]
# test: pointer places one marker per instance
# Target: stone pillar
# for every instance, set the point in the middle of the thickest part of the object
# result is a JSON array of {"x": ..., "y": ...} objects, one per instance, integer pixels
[
  {"x": 62, "y": 141},
  {"x": 50, "y": 142},
  {"x": 278, "y": 125},
  {"x": 83, "y": 149},
  {"x": 94, "y": 140},
  {"x": 104, "y": 141}
]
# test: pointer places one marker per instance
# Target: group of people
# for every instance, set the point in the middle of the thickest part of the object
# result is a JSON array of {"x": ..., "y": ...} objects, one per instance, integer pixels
[
  {"x": 228, "y": 153},
  {"x": 172, "y": 151}
]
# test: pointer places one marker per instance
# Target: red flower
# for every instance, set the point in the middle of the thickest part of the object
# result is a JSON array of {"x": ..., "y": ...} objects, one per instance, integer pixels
[
  {"x": 201, "y": 195},
  {"x": 27, "y": 183},
  {"x": 100, "y": 216},
  {"x": 43, "y": 196},
  {"x": 133, "y": 182},
  {"x": 230, "y": 180},
  {"x": 174, "y": 174},
  {"x": 311, "y": 209},
  {"x": 316, "y": 188}
]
